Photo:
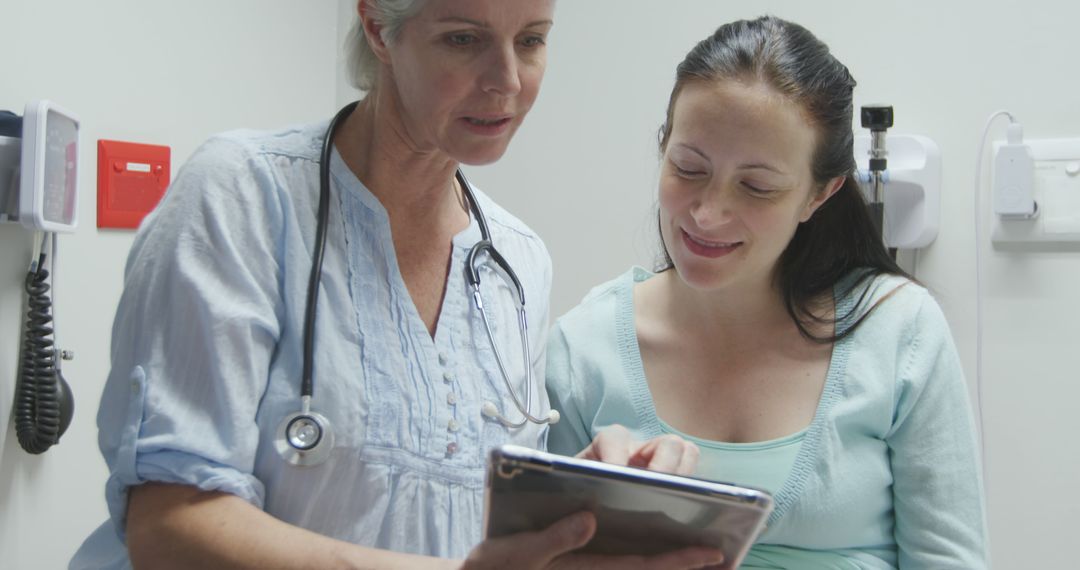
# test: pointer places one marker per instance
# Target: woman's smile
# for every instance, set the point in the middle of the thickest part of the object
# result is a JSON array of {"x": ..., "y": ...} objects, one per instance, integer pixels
[{"x": 707, "y": 248}]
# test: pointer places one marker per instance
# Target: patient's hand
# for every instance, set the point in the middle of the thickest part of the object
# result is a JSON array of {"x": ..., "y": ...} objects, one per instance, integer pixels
[{"x": 667, "y": 453}]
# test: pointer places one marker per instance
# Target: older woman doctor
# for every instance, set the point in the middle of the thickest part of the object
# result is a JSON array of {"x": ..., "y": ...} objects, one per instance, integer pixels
[{"x": 207, "y": 344}]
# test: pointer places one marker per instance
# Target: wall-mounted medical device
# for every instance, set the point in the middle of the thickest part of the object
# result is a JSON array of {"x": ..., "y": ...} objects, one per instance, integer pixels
[
  {"x": 908, "y": 186},
  {"x": 878, "y": 119},
  {"x": 1036, "y": 190},
  {"x": 39, "y": 168},
  {"x": 39, "y": 173}
]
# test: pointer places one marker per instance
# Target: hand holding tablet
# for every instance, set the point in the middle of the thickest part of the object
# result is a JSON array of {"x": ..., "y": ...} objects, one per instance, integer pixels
[{"x": 637, "y": 512}]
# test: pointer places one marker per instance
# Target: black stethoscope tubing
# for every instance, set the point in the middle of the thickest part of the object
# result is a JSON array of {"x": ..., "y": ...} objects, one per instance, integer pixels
[
  {"x": 305, "y": 437},
  {"x": 307, "y": 385},
  {"x": 472, "y": 273}
]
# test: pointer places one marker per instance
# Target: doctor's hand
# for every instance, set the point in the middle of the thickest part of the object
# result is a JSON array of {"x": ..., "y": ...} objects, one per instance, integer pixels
[
  {"x": 667, "y": 453},
  {"x": 552, "y": 548}
]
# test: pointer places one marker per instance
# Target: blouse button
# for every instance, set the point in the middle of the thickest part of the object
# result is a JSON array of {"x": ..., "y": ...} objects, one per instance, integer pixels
[
  {"x": 442, "y": 358},
  {"x": 451, "y": 448},
  {"x": 447, "y": 377},
  {"x": 453, "y": 426},
  {"x": 451, "y": 398}
]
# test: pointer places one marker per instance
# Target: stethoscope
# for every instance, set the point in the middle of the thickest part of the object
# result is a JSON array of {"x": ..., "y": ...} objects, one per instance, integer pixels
[{"x": 306, "y": 437}]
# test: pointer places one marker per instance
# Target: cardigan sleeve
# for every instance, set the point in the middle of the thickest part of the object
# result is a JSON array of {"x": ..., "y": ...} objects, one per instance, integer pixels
[
  {"x": 937, "y": 488},
  {"x": 571, "y": 434}
]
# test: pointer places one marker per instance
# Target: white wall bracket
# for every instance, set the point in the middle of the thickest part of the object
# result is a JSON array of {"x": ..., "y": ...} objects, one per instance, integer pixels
[{"x": 912, "y": 188}]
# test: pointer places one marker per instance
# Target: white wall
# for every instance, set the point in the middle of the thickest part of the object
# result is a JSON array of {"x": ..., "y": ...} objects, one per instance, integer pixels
[
  {"x": 582, "y": 172},
  {"x": 169, "y": 73}
]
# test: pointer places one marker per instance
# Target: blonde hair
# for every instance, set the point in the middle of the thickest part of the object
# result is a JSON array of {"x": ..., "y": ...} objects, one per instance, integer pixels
[{"x": 391, "y": 15}]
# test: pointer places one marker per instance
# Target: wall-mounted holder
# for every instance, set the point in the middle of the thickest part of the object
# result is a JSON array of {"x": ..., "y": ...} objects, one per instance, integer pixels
[
  {"x": 39, "y": 168},
  {"x": 912, "y": 188},
  {"x": 1056, "y": 190},
  {"x": 39, "y": 176}
]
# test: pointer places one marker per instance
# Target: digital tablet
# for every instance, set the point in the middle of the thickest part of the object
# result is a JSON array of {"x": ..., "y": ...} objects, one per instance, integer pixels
[{"x": 637, "y": 511}]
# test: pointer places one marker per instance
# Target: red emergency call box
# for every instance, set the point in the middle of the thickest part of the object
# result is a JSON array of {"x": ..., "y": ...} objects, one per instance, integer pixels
[{"x": 132, "y": 178}]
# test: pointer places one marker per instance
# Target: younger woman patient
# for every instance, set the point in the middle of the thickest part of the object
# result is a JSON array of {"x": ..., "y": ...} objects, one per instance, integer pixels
[{"x": 779, "y": 335}]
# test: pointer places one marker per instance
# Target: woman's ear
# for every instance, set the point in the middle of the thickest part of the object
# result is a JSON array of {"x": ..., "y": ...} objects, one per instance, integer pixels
[
  {"x": 826, "y": 192},
  {"x": 372, "y": 30}
]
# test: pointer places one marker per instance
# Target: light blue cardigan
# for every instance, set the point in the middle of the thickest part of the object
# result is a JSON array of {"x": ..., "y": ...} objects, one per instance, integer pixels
[{"x": 888, "y": 475}]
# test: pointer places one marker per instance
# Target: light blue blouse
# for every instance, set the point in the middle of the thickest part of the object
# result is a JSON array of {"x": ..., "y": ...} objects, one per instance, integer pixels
[
  {"x": 206, "y": 355},
  {"x": 888, "y": 472}
]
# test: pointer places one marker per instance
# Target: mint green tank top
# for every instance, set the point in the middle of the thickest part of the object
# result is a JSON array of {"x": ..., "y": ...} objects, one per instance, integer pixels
[
  {"x": 761, "y": 464},
  {"x": 766, "y": 465}
]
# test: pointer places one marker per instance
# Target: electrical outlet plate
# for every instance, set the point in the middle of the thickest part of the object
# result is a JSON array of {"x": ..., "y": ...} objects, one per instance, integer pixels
[
  {"x": 912, "y": 188},
  {"x": 1057, "y": 193}
]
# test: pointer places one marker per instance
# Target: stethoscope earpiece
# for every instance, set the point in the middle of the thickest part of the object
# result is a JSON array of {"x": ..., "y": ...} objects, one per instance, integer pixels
[{"x": 490, "y": 411}]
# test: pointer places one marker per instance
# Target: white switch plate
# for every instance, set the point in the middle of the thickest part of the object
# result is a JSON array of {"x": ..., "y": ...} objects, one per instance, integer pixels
[{"x": 1057, "y": 193}]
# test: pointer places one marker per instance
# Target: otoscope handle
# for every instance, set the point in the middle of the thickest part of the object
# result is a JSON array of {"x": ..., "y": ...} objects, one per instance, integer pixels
[{"x": 877, "y": 215}]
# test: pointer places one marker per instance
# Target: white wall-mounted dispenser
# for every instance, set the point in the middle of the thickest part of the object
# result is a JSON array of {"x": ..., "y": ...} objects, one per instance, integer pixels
[{"x": 1055, "y": 179}]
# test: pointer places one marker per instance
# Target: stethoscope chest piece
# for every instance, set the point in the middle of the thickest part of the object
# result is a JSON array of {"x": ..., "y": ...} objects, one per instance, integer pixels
[{"x": 304, "y": 438}]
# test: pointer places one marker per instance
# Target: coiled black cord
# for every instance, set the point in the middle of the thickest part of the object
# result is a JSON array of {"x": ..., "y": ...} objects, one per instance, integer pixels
[{"x": 43, "y": 401}]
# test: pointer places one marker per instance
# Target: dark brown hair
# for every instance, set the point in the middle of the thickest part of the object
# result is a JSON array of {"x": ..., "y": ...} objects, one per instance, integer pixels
[{"x": 840, "y": 240}]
